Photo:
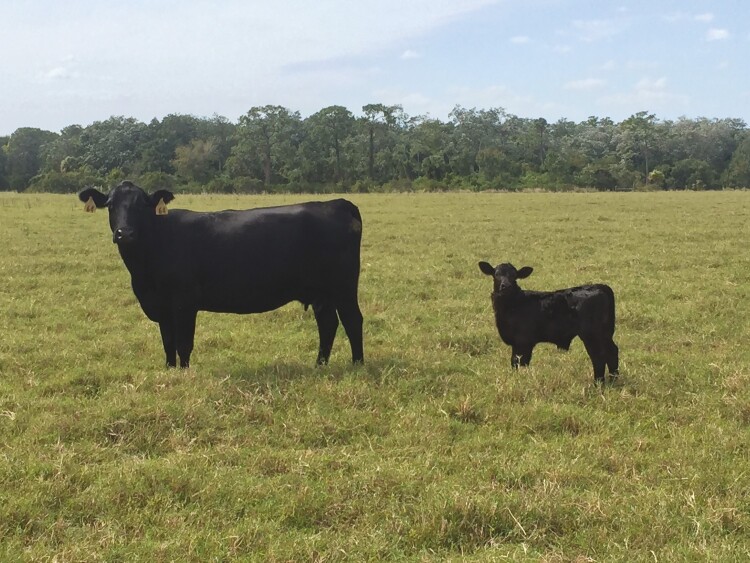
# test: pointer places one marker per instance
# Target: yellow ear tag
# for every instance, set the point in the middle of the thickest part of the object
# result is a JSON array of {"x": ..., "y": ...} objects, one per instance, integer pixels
[
  {"x": 89, "y": 206},
  {"x": 161, "y": 207}
]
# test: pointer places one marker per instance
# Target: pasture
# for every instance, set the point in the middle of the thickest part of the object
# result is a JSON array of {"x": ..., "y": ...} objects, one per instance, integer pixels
[{"x": 435, "y": 449}]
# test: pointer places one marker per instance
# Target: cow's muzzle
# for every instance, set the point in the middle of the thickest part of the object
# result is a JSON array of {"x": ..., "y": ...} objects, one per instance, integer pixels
[{"x": 123, "y": 236}]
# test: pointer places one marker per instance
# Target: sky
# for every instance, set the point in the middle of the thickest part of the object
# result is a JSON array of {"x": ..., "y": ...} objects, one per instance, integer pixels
[{"x": 82, "y": 61}]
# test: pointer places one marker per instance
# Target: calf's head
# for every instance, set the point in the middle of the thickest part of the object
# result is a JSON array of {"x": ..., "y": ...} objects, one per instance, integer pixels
[
  {"x": 505, "y": 276},
  {"x": 131, "y": 209}
]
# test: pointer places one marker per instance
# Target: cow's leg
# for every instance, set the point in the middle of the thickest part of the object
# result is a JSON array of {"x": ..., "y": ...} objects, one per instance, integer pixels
[
  {"x": 184, "y": 334},
  {"x": 613, "y": 358},
  {"x": 351, "y": 318},
  {"x": 521, "y": 355},
  {"x": 166, "y": 327},
  {"x": 328, "y": 323},
  {"x": 597, "y": 352}
]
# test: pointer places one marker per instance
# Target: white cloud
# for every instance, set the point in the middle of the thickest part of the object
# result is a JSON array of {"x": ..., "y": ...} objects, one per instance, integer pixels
[
  {"x": 294, "y": 53},
  {"x": 60, "y": 73},
  {"x": 706, "y": 18},
  {"x": 590, "y": 31},
  {"x": 585, "y": 84},
  {"x": 642, "y": 65},
  {"x": 677, "y": 17},
  {"x": 416, "y": 103},
  {"x": 648, "y": 84},
  {"x": 487, "y": 97},
  {"x": 265, "y": 37},
  {"x": 674, "y": 17},
  {"x": 716, "y": 34},
  {"x": 88, "y": 59},
  {"x": 503, "y": 97},
  {"x": 647, "y": 93}
]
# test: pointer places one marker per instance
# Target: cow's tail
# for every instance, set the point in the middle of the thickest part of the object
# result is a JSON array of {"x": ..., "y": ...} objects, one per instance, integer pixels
[
  {"x": 610, "y": 308},
  {"x": 351, "y": 256},
  {"x": 354, "y": 227},
  {"x": 356, "y": 217}
]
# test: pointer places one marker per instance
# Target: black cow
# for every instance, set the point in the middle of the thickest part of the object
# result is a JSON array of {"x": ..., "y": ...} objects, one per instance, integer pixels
[
  {"x": 250, "y": 261},
  {"x": 526, "y": 318}
]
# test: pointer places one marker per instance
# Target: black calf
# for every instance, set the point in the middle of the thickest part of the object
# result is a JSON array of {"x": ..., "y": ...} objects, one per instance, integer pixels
[{"x": 526, "y": 318}]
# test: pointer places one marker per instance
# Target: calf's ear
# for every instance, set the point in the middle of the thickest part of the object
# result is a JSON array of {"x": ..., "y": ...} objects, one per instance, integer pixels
[
  {"x": 524, "y": 272},
  {"x": 93, "y": 199},
  {"x": 487, "y": 268},
  {"x": 160, "y": 199}
]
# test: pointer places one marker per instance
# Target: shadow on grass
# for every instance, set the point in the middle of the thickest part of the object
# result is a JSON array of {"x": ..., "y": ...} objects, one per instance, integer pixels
[{"x": 377, "y": 371}]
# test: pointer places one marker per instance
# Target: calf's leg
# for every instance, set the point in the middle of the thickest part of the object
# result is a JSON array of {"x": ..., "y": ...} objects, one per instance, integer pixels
[
  {"x": 521, "y": 355},
  {"x": 597, "y": 352}
]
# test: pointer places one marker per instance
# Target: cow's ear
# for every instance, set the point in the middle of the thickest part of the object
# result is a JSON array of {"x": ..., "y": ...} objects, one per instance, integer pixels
[
  {"x": 92, "y": 198},
  {"x": 160, "y": 199},
  {"x": 487, "y": 268},
  {"x": 524, "y": 272}
]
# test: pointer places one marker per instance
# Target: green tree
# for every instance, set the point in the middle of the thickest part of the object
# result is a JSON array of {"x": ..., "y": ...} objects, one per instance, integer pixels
[
  {"x": 565, "y": 159},
  {"x": 477, "y": 148},
  {"x": 384, "y": 125},
  {"x": 691, "y": 173},
  {"x": 4, "y": 181},
  {"x": 161, "y": 139},
  {"x": 62, "y": 148},
  {"x": 326, "y": 132},
  {"x": 223, "y": 134},
  {"x": 113, "y": 143},
  {"x": 491, "y": 161},
  {"x": 737, "y": 174},
  {"x": 265, "y": 135},
  {"x": 197, "y": 161},
  {"x": 636, "y": 142},
  {"x": 533, "y": 142},
  {"x": 24, "y": 153},
  {"x": 594, "y": 142},
  {"x": 474, "y": 131},
  {"x": 374, "y": 118},
  {"x": 712, "y": 141},
  {"x": 431, "y": 147}
]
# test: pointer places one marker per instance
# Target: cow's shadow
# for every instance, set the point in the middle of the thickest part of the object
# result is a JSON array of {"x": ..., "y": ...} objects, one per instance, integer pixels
[{"x": 377, "y": 371}]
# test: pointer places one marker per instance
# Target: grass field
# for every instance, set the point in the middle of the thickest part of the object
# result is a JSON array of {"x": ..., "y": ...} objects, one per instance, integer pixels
[{"x": 434, "y": 449}]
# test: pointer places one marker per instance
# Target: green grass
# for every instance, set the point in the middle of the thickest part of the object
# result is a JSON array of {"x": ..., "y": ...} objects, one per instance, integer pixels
[{"x": 434, "y": 449}]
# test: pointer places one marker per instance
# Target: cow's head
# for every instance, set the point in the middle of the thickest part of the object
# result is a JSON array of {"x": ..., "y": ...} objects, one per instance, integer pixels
[
  {"x": 505, "y": 276},
  {"x": 131, "y": 209}
]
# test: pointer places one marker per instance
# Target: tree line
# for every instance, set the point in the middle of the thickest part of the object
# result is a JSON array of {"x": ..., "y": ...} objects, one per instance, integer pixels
[{"x": 274, "y": 149}]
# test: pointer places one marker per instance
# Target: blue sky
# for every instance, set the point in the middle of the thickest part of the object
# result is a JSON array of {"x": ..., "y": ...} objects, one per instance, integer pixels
[{"x": 81, "y": 61}]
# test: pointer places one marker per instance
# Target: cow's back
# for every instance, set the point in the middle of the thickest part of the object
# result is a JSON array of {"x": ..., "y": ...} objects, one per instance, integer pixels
[{"x": 259, "y": 259}]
